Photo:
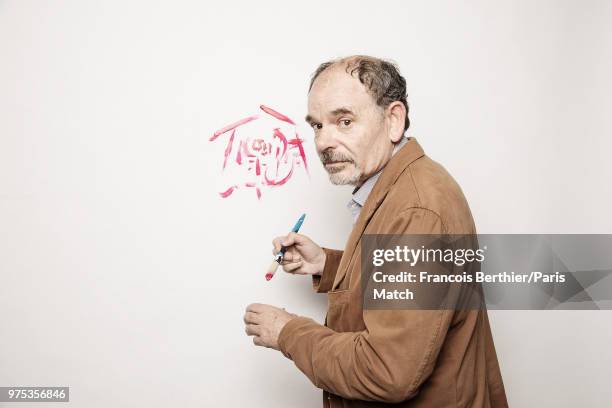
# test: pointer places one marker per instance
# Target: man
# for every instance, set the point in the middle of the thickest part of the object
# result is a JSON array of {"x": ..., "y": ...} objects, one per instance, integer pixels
[{"x": 369, "y": 358}]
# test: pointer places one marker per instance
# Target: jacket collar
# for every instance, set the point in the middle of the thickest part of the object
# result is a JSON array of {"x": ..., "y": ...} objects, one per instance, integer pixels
[
  {"x": 389, "y": 175},
  {"x": 360, "y": 194}
]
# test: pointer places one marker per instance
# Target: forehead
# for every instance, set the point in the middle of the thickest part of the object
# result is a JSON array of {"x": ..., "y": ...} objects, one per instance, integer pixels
[{"x": 335, "y": 88}]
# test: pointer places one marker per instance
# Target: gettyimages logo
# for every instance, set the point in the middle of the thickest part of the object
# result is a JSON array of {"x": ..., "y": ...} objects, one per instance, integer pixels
[
  {"x": 512, "y": 272},
  {"x": 413, "y": 256}
]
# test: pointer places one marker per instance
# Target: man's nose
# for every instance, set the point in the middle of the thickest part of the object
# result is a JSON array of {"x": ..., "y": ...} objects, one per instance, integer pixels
[{"x": 325, "y": 139}]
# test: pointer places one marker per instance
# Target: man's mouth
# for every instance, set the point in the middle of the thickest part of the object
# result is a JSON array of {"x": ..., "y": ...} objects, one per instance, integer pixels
[{"x": 335, "y": 163}]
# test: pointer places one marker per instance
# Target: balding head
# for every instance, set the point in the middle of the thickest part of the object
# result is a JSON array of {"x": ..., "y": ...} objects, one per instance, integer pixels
[
  {"x": 381, "y": 77},
  {"x": 357, "y": 108}
]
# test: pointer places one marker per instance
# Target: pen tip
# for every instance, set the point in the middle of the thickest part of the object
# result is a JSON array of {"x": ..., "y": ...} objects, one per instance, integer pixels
[{"x": 271, "y": 270}]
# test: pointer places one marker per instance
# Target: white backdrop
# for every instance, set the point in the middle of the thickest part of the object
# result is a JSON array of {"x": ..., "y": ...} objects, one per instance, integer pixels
[{"x": 124, "y": 275}]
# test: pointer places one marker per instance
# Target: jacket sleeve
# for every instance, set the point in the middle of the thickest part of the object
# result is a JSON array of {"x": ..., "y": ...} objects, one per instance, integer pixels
[
  {"x": 391, "y": 358},
  {"x": 323, "y": 283}
]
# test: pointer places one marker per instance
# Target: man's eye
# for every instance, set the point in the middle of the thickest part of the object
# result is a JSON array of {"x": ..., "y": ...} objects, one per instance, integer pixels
[
  {"x": 316, "y": 126},
  {"x": 346, "y": 122}
]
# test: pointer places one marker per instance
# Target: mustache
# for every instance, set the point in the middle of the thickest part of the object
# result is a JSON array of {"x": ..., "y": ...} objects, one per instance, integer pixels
[{"x": 328, "y": 156}]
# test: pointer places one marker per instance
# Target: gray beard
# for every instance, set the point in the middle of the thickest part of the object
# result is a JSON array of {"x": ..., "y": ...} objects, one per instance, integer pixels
[{"x": 340, "y": 179}]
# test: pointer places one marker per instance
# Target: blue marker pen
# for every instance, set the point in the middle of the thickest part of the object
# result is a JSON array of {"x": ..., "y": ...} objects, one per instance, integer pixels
[{"x": 279, "y": 256}]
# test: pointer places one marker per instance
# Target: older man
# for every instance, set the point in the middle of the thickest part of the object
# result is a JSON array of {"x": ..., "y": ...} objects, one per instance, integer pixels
[{"x": 369, "y": 358}]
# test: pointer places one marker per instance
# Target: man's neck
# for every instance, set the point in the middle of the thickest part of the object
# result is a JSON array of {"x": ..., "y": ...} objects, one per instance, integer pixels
[{"x": 396, "y": 148}]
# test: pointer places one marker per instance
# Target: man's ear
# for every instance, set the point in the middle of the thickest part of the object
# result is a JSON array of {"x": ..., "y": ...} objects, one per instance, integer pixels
[{"x": 396, "y": 114}]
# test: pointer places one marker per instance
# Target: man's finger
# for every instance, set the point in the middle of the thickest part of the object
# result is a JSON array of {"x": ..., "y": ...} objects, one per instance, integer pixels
[
  {"x": 286, "y": 241},
  {"x": 257, "y": 307},
  {"x": 252, "y": 318},
  {"x": 290, "y": 257},
  {"x": 252, "y": 329},
  {"x": 290, "y": 239},
  {"x": 258, "y": 342},
  {"x": 292, "y": 267},
  {"x": 276, "y": 245}
]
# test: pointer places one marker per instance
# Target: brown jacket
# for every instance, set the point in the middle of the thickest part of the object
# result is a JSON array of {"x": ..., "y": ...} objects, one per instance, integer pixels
[{"x": 412, "y": 358}]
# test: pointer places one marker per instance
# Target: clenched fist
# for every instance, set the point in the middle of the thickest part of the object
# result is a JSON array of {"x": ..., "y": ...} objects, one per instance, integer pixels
[{"x": 264, "y": 323}]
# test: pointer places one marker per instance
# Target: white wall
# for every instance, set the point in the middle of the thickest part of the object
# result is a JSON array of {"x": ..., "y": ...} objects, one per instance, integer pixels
[{"x": 125, "y": 276}]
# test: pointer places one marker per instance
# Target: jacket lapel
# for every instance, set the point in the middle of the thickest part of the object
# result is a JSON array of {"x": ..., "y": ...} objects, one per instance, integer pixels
[{"x": 396, "y": 166}]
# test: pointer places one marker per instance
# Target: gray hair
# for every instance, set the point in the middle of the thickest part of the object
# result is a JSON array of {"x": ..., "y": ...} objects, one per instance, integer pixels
[{"x": 381, "y": 77}]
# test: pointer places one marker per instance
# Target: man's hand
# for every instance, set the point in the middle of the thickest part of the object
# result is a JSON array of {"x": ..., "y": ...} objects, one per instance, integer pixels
[
  {"x": 302, "y": 256},
  {"x": 264, "y": 323}
]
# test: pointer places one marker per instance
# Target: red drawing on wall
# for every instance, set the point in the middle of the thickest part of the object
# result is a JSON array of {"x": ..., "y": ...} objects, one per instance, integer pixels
[{"x": 261, "y": 158}]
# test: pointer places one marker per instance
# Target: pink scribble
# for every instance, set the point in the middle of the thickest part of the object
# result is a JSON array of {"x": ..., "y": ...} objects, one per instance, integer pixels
[
  {"x": 261, "y": 145},
  {"x": 276, "y": 114},
  {"x": 228, "y": 149},
  {"x": 278, "y": 134},
  {"x": 227, "y": 192},
  {"x": 278, "y": 182},
  {"x": 261, "y": 160},
  {"x": 232, "y": 127},
  {"x": 298, "y": 142}
]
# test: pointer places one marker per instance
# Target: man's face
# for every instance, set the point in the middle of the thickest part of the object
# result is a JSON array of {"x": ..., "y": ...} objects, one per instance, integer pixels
[{"x": 351, "y": 131}]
